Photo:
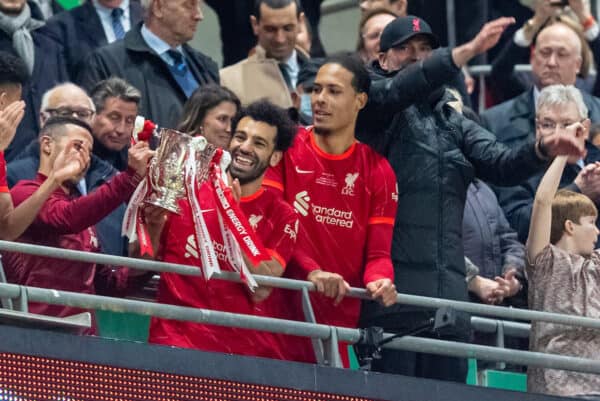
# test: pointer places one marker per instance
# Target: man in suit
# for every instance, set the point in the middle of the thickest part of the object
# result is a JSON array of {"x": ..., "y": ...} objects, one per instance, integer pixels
[
  {"x": 155, "y": 58},
  {"x": 42, "y": 57},
  {"x": 555, "y": 59},
  {"x": 272, "y": 72},
  {"x": 94, "y": 24}
]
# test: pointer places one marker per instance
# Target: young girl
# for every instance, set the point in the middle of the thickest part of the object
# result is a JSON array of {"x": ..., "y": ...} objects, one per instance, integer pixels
[{"x": 564, "y": 277}]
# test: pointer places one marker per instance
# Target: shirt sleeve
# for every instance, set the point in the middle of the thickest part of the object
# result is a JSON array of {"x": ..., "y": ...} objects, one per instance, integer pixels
[
  {"x": 385, "y": 194},
  {"x": 3, "y": 182},
  {"x": 381, "y": 223},
  {"x": 68, "y": 216},
  {"x": 274, "y": 176},
  {"x": 282, "y": 239}
]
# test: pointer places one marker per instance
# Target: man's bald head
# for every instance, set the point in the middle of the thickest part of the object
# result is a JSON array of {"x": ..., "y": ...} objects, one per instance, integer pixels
[
  {"x": 67, "y": 100},
  {"x": 557, "y": 56}
]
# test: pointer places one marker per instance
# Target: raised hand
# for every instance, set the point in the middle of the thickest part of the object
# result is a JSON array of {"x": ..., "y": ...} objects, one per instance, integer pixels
[
  {"x": 138, "y": 157},
  {"x": 490, "y": 34},
  {"x": 71, "y": 162},
  {"x": 10, "y": 118},
  {"x": 588, "y": 181},
  {"x": 566, "y": 142}
]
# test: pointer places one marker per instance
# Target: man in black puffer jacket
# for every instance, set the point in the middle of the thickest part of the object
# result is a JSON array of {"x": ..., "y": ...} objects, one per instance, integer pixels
[{"x": 435, "y": 153}]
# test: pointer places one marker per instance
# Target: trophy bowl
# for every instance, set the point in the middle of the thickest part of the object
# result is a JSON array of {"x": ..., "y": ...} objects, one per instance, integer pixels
[{"x": 167, "y": 170}]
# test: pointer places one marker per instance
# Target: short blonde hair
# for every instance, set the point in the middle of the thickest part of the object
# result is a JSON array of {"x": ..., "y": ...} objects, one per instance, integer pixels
[{"x": 569, "y": 205}]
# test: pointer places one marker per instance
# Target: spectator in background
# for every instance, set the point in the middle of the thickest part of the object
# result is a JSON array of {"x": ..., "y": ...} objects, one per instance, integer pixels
[
  {"x": 556, "y": 59},
  {"x": 369, "y": 31},
  {"x": 493, "y": 247},
  {"x": 398, "y": 7},
  {"x": 19, "y": 36},
  {"x": 67, "y": 219},
  {"x": 93, "y": 24},
  {"x": 210, "y": 112},
  {"x": 116, "y": 103},
  {"x": 272, "y": 72},
  {"x": 14, "y": 221},
  {"x": 507, "y": 83},
  {"x": 304, "y": 86},
  {"x": 68, "y": 100},
  {"x": 562, "y": 263},
  {"x": 156, "y": 59},
  {"x": 261, "y": 135},
  {"x": 434, "y": 151}
]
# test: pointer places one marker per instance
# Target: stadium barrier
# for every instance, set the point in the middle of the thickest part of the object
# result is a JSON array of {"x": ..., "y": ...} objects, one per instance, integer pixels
[{"x": 330, "y": 335}]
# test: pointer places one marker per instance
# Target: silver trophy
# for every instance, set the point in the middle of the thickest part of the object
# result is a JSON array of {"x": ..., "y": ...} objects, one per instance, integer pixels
[{"x": 168, "y": 168}]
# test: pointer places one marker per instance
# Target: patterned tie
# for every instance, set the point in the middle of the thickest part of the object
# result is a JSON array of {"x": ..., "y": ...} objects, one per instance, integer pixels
[
  {"x": 177, "y": 58},
  {"x": 118, "y": 29}
]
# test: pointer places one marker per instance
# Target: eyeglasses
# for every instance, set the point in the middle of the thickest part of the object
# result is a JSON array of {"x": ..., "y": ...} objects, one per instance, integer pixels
[
  {"x": 84, "y": 114},
  {"x": 549, "y": 126}
]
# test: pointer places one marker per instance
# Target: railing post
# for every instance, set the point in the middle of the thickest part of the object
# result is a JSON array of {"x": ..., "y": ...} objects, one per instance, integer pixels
[
  {"x": 332, "y": 349},
  {"x": 6, "y": 303},
  {"x": 22, "y": 300},
  {"x": 500, "y": 342},
  {"x": 309, "y": 316}
]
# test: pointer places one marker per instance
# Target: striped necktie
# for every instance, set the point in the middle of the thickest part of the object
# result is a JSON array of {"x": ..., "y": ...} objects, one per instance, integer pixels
[{"x": 117, "y": 26}]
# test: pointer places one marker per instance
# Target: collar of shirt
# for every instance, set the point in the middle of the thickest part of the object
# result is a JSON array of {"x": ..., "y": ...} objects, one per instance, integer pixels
[
  {"x": 536, "y": 96},
  {"x": 159, "y": 46},
  {"x": 106, "y": 19},
  {"x": 293, "y": 68}
]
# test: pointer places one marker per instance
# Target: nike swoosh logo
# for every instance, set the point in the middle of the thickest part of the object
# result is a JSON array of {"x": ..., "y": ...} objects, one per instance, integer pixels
[{"x": 300, "y": 171}]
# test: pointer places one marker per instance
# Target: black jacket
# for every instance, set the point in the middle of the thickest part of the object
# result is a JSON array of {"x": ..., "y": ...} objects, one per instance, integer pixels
[
  {"x": 80, "y": 32},
  {"x": 133, "y": 60},
  {"x": 25, "y": 167},
  {"x": 435, "y": 153}
]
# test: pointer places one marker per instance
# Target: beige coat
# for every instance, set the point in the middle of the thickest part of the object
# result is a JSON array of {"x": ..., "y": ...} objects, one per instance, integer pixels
[{"x": 257, "y": 77}]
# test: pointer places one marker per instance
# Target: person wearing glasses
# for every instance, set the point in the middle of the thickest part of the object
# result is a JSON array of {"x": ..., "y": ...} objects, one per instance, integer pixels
[
  {"x": 556, "y": 58},
  {"x": 71, "y": 101}
]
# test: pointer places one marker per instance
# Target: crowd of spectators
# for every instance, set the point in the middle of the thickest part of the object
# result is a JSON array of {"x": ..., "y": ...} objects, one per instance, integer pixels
[{"x": 367, "y": 169}]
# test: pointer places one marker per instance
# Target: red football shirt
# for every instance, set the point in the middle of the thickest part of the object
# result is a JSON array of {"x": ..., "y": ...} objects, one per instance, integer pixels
[
  {"x": 276, "y": 224},
  {"x": 347, "y": 205},
  {"x": 67, "y": 221},
  {"x": 3, "y": 183}
]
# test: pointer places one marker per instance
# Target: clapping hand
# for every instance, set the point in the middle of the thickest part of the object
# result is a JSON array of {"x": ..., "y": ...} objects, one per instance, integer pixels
[
  {"x": 10, "y": 118},
  {"x": 72, "y": 161}
]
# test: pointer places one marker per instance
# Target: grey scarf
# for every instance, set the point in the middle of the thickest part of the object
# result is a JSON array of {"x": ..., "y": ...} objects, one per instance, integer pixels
[{"x": 19, "y": 27}]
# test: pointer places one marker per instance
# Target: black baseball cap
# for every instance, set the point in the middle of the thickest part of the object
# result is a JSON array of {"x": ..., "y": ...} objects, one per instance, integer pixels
[{"x": 404, "y": 28}]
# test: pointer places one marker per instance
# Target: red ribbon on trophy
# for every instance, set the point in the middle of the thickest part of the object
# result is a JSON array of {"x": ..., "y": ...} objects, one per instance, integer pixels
[
  {"x": 234, "y": 218},
  {"x": 203, "y": 165}
]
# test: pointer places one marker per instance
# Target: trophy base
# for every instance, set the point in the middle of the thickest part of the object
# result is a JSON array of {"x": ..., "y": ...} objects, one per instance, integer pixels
[{"x": 170, "y": 206}]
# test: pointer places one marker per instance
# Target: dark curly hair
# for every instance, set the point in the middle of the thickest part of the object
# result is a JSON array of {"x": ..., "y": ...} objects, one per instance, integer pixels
[
  {"x": 267, "y": 112},
  {"x": 12, "y": 70}
]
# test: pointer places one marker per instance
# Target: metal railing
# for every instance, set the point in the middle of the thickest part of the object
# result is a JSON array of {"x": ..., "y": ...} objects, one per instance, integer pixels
[{"x": 330, "y": 335}]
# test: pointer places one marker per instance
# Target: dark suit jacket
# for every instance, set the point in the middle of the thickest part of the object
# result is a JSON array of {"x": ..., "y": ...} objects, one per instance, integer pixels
[
  {"x": 513, "y": 122},
  {"x": 48, "y": 71},
  {"x": 133, "y": 60},
  {"x": 80, "y": 32}
]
